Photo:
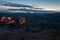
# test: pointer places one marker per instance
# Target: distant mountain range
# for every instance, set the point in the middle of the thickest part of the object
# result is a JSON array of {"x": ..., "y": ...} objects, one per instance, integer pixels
[{"x": 3, "y": 3}]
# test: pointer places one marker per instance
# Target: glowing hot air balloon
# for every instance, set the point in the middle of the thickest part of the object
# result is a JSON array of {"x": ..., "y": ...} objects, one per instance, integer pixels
[{"x": 22, "y": 20}]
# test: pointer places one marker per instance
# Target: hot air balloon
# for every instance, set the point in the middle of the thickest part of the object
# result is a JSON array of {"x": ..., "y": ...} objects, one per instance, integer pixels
[
  {"x": 10, "y": 20},
  {"x": 2, "y": 21},
  {"x": 22, "y": 20}
]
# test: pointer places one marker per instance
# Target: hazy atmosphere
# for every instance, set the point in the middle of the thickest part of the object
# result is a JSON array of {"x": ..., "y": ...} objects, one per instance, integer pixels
[
  {"x": 29, "y": 19},
  {"x": 47, "y": 4}
]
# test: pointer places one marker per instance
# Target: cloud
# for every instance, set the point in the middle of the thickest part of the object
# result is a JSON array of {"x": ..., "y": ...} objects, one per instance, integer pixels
[{"x": 7, "y": 7}]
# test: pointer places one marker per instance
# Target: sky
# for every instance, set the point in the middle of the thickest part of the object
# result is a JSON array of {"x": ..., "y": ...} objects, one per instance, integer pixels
[{"x": 47, "y": 4}]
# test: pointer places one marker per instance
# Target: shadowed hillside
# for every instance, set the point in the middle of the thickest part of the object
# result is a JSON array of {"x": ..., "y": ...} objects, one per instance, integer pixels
[{"x": 37, "y": 27}]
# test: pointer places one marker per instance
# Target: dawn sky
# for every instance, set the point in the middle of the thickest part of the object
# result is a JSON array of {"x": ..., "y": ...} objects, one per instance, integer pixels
[{"x": 48, "y": 4}]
